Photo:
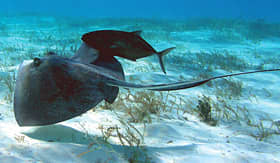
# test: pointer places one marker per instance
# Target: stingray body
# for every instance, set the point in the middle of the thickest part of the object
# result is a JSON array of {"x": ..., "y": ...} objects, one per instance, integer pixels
[
  {"x": 129, "y": 45},
  {"x": 53, "y": 89}
]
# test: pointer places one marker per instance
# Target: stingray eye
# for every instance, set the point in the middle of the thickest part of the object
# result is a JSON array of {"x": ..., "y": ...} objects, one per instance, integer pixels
[{"x": 37, "y": 62}]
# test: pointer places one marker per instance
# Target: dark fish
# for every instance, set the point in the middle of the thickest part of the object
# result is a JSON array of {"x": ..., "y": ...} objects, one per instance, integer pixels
[
  {"x": 129, "y": 45},
  {"x": 53, "y": 89}
]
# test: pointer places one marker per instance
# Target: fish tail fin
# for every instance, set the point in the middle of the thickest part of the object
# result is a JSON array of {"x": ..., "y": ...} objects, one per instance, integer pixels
[{"x": 162, "y": 53}]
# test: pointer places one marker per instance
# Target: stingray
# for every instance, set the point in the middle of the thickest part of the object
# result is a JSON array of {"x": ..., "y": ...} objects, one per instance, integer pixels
[
  {"x": 53, "y": 89},
  {"x": 108, "y": 43}
]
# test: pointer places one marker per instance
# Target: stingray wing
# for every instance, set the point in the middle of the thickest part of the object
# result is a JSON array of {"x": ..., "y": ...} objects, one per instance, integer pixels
[
  {"x": 53, "y": 94},
  {"x": 58, "y": 89},
  {"x": 176, "y": 85}
]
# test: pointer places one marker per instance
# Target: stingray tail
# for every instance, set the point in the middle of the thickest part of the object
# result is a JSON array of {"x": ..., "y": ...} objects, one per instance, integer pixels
[
  {"x": 162, "y": 53},
  {"x": 176, "y": 85}
]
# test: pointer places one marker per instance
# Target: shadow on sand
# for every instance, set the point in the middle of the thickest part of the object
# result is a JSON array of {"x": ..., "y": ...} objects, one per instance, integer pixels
[{"x": 65, "y": 134}]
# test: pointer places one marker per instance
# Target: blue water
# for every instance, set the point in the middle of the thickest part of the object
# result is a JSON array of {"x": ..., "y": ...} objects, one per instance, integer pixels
[{"x": 252, "y": 9}]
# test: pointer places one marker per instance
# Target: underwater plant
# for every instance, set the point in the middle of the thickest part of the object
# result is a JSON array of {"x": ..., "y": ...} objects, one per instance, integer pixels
[
  {"x": 140, "y": 105},
  {"x": 222, "y": 59},
  {"x": 228, "y": 88},
  {"x": 204, "y": 109},
  {"x": 124, "y": 133},
  {"x": 264, "y": 131},
  {"x": 9, "y": 80},
  {"x": 210, "y": 110}
]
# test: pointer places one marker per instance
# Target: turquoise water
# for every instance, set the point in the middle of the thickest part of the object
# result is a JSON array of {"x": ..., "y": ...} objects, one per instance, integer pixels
[
  {"x": 234, "y": 119},
  {"x": 183, "y": 9}
]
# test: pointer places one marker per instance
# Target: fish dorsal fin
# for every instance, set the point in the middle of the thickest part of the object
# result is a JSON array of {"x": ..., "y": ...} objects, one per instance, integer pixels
[{"x": 138, "y": 33}]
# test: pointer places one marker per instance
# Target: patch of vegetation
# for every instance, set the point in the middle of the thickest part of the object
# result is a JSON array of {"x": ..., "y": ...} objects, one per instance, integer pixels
[
  {"x": 140, "y": 105},
  {"x": 228, "y": 88},
  {"x": 212, "y": 111},
  {"x": 220, "y": 110},
  {"x": 207, "y": 62},
  {"x": 265, "y": 131},
  {"x": 127, "y": 135},
  {"x": 227, "y": 112},
  {"x": 9, "y": 80},
  {"x": 222, "y": 60},
  {"x": 204, "y": 109},
  {"x": 20, "y": 138}
]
